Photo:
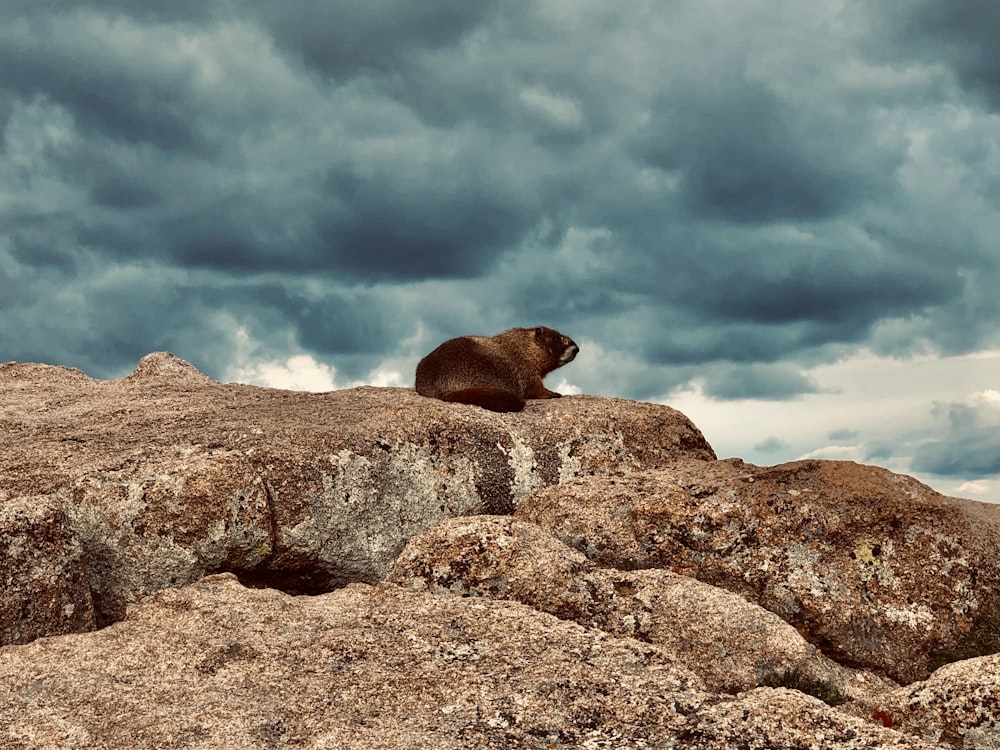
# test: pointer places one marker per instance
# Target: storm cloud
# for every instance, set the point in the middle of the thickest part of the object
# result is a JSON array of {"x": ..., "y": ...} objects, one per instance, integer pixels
[
  {"x": 970, "y": 446},
  {"x": 705, "y": 195}
]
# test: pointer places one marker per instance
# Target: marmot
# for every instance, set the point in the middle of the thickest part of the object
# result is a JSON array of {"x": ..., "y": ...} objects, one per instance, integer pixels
[{"x": 495, "y": 372}]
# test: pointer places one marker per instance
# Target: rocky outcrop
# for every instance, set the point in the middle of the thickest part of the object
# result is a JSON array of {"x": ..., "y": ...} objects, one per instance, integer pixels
[
  {"x": 216, "y": 665},
  {"x": 166, "y": 475},
  {"x": 958, "y": 706},
  {"x": 42, "y": 573},
  {"x": 874, "y": 568},
  {"x": 625, "y": 590},
  {"x": 731, "y": 644}
]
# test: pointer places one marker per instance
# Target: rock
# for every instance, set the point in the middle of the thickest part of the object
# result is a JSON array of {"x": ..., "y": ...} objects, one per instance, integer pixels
[
  {"x": 874, "y": 568},
  {"x": 766, "y": 719},
  {"x": 642, "y": 595},
  {"x": 165, "y": 518},
  {"x": 216, "y": 665},
  {"x": 166, "y": 475},
  {"x": 42, "y": 574},
  {"x": 958, "y": 706},
  {"x": 731, "y": 644}
]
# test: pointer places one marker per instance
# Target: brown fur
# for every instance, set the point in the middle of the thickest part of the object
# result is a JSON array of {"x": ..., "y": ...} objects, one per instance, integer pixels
[{"x": 495, "y": 372}]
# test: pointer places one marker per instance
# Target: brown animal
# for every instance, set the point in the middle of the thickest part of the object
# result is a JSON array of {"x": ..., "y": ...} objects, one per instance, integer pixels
[{"x": 495, "y": 372}]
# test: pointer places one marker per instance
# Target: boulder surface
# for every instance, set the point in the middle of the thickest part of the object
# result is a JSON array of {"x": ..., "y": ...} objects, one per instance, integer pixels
[
  {"x": 874, "y": 568},
  {"x": 958, "y": 706},
  {"x": 42, "y": 572},
  {"x": 216, "y": 665},
  {"x": 730, "y": 643},
  {"x": 370, "y": 568},
  {"x": 166, "y": 475}
]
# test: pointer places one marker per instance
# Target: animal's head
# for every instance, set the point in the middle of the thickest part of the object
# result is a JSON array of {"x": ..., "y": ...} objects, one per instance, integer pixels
[{"x": 562, "y": 349}]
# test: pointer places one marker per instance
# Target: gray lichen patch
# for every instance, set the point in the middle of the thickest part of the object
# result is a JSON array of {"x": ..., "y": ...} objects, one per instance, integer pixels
[{"x": 369, "y": 507}]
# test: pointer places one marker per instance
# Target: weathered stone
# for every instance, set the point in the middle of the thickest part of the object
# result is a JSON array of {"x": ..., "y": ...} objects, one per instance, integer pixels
[
  {"x": 165, "y": 518},
  {"x": 731, "y": 644},
  {"x": 166, "y": 475},
  {"x": 793, "y": 722},
  {"x": 958, "y": 706},
  {"x": 112, "y": 490},
  {"x": 874, "y": 568},
  {"x": 215, "y": 665},
  {"x": 43, "y": 585}
]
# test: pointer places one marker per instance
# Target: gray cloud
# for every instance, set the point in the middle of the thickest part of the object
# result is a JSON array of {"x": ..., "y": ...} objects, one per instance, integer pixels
[
  {"x": 975, "y": 454},
  {"x": 766, "y": 382},
  {"x": 746, "y": 155},
  {"x": 114, "y": 86},
  {"x": 342, "y": 38},
  {"x": 880, "y": 451},
  {"x": 724, "y": 196},
  {"x": 961, "y": 34},
  {"x": 970, "y": 444},
  {"x": 772, "y": 444},
  {"x": 843, "y": 435}
]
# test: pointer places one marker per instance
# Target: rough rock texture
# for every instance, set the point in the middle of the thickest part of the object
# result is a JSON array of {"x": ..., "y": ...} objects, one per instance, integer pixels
[
  {"x": 166, "y": 475},
  {"x": 766, "y": 719},
  {"x": 43, "y": 583},
  {"x": 216, "y": 665},
  {"x": 731, "y": 644},
  {"x": 874, "y": 568},
  {"x": 958, "y": 706},
  {"x": 638, "y": 587}
]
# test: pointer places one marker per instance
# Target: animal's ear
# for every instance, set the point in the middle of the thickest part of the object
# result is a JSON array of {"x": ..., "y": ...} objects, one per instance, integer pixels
[{"x": 540, "y": 334}]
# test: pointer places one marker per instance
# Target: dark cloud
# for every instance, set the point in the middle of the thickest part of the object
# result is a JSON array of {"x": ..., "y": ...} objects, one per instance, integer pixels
[
  {"x": 879, "y": 452},
  {"x": 766, "y": 382},
  {"x": 694, "y": 196},
  {"x": 346, "y": 321},
  {"x": 133, "y": 92},
  {"x": 969, "y": 447},
  {"x": 771, "y": 445},
  {"x": 105, "y": 320},
  {"x": 825, "y": 289},
  {"x": 694, "y": 340},
  {"x": 844, "y": 434},
  {"x": 975, "y": 454},
  {"x": 418, "y": 225},
  {"x": 343, "y": 38},
  {"x": 180, "y": 10},
  {"x": 961, "y": 34},
  {"x": 745, "y": 155}
]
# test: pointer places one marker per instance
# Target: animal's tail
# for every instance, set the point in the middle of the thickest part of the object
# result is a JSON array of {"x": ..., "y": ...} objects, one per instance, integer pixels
[{"x": 494, "y": 399}]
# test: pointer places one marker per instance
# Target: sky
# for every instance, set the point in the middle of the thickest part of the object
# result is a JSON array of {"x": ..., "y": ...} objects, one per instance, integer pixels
[{"x": 780, "y": 217}]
